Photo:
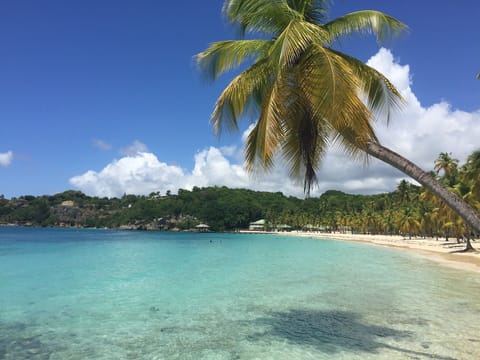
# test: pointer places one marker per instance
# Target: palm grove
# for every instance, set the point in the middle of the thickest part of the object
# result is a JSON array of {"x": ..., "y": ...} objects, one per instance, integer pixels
[{"x": 307, "y": 94}]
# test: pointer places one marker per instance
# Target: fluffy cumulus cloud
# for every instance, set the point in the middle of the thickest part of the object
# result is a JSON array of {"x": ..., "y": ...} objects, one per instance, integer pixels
[
  {"x": 6, "y": 158},
  {"x": 421, "y": 133},
  {"x": 417, "y": 132},
  {"x": 141, "y": 173}
]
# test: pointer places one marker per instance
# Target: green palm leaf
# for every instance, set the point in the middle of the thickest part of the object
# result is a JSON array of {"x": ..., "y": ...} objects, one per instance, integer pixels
[
  {"x": 368, "y": 21},
  {"x": 331, "y": 89},
  {"x": 267, "y": 134},
  {"x": 259, "y": 16},
  {"x": 382, "y": 96},
  {"x": 314, "y": 11},
  {"x": 224, "y": 55},
  {"x": 241, "y": 96}
]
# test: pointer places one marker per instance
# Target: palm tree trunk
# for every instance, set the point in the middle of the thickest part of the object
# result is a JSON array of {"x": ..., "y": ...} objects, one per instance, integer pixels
[
  {"x": 464, "y": 210},
  {"x": 469, "y": 246}
]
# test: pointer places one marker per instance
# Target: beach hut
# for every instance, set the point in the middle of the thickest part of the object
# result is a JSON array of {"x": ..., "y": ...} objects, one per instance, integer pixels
[{"x": 202, "y": 227}]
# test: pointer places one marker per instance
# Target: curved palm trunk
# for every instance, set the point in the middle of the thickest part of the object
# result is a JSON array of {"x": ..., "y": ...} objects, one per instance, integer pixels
[{"x": 464, "y": 210}]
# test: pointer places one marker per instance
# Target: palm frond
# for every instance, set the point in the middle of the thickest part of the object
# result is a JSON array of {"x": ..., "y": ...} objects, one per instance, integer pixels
[
  {"x": 304, "y": 140},
  {"x": 267, "y": 134},
  {"x": 222, "y": 56},
  {"x": 305, "y": 144},
  {"x": 314, "y": 11},
  {"x": 293, "y": 42},
  {"x": 278, "y": 105},
  {"x": 332, "y": 92},
  {"x": 259, "y": 16},
  {"x": 382, "y": 96},
  {"x": 321, "y": 106},
  {"x": 367, "y": 21},
  {"x": 241, "y": 96}
]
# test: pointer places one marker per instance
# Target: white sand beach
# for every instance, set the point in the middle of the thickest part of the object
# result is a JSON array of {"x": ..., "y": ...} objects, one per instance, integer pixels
[{"x": 447, "y": 253}]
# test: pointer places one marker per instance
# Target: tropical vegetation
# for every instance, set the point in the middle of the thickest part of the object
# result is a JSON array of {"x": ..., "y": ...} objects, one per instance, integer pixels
[
  {"x": 305, "y": 95},
  {"x": 410, "y": 210}
]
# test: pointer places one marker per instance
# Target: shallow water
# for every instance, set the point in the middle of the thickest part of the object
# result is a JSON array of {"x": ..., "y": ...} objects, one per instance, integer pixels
[{"x": 77, "y": 294}]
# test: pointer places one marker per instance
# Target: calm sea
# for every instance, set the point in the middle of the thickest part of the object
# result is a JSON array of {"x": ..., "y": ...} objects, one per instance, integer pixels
[{"x": 99, "y": 294}]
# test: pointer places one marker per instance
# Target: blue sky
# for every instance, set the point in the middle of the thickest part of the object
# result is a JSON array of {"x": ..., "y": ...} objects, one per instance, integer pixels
[{"x": 88, "y": 86}]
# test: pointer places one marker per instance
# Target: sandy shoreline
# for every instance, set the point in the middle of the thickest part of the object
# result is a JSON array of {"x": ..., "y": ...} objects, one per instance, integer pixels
[{"x": 441, "y": 251}]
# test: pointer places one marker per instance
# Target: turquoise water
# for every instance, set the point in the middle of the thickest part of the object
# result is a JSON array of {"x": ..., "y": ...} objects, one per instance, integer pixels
[{"x": 98, "y": 294}]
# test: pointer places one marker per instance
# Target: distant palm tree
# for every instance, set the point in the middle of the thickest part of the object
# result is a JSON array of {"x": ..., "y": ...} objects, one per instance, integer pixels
[
  {"x": 449, "y": 166},
  {"x": 471, "y": 173},
  {"x": 404, "y": 192},
  {"x": 436, "y": 213},
  {"x": 408, "y": 222},
  {"x": 307, "y": 95}
]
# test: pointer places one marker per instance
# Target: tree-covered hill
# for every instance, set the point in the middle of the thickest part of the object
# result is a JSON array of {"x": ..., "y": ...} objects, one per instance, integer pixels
[{"x": 223, "y": 209}]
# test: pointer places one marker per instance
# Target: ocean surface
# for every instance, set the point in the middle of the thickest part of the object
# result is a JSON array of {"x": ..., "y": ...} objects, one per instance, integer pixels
[{"x": 101, "y": 294}]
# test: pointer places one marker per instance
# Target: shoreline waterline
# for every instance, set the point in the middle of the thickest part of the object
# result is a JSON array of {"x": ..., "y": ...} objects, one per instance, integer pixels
[{"x": 446, "y": 253}]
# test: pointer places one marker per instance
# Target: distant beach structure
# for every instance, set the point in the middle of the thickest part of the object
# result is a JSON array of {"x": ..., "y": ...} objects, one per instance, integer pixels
[
  {"x": 202, "y": 227},
  {"x": 258, "y": 225}
]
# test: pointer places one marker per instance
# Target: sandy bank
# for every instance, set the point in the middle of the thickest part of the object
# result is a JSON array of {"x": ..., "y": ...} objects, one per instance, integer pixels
[{"x": 447, "y": 253}]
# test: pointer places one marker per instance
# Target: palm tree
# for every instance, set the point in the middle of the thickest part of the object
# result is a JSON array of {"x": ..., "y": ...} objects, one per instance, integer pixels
[
  {"x": 463, "y": 189},
  {"x": 408, "y": 222},
  {"x": 307, "y": 95},
  {"x": 436, "y": 213},
  {"x": 404, "y": 192},
  {"x": 446, "y": 163},
  {"x": 449, "y": 166},
  {"x": 471, "y": 173}
]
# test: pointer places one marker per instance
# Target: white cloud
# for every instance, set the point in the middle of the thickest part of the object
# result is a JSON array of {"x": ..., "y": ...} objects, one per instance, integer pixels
[
  {"x": 135, "y": 148},
  {"x": 213, "y": 168},
  {"x": 422, "y": 133},
  {"x": 101, "y": 145},
  {"x": 419, "y": 133},
  {"x": 6, "y": 158},
  {"x": 142, "y": 173}
]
